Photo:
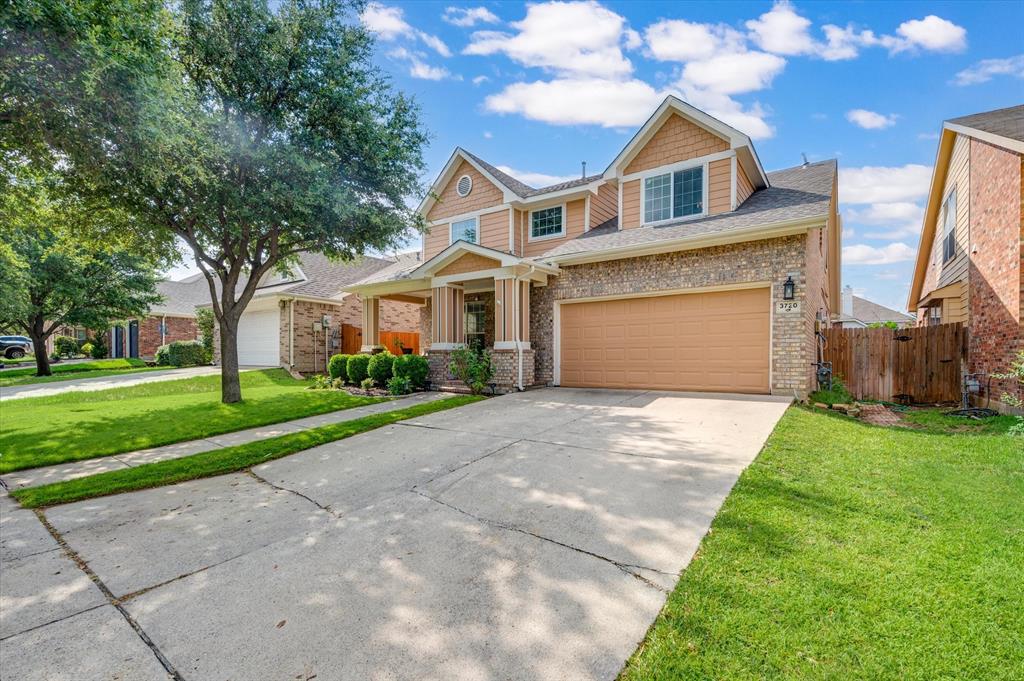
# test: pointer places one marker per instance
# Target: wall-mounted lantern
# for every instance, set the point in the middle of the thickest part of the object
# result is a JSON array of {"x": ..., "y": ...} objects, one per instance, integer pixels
[{"x": 788, "y": 289}]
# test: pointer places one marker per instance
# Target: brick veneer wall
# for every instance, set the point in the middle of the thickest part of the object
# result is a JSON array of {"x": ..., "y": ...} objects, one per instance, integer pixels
[
  {"x": 178, "y": 329},
  {"x": 769, "y": 260},
  {"x": 994, "y": 274}
]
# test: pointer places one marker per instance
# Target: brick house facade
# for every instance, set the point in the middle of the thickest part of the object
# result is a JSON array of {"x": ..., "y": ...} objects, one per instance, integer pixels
[
  {"x": 600, "y": 243},
  {"x": 971, "y": 269}
]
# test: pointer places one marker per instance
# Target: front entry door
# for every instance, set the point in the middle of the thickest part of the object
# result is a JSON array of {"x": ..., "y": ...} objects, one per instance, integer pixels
[
  {"x": 118, "y": 349},
  {"x": 133, "y": 338}
]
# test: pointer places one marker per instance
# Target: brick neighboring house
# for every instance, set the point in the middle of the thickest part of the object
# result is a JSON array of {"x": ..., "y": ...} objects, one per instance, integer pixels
[
  {"x": 683, "y": 266},
  {"x": 859, "y": 313},
  {"x": 970, "y": 258},
  {"x": 283, "y": 323},
  {"x": 173, "y": 319}
]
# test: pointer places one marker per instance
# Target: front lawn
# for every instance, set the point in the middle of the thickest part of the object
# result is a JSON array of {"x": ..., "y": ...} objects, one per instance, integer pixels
[
  {"x": 64, "y": 372},
  {"x": 852, "y": 551},
  {"x": 72, "y": 426}
]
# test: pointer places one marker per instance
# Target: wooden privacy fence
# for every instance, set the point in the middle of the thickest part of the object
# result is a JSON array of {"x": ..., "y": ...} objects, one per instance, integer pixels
[
  {"x": 920, "y": 364},
  {"x": 352, "y": 340}
]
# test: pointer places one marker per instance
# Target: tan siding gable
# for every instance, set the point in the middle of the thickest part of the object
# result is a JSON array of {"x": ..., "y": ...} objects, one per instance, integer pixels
[
  {"x": 484, "y": 194},
  {"x": 605, "y": 204},
  {"x": 744, "y": 188},
  {"x": 676, "y": 140},
  {"x": 719, "y": 186},
  {"x": 470, "y": 262},
  {"x": 941, "y": 273}
]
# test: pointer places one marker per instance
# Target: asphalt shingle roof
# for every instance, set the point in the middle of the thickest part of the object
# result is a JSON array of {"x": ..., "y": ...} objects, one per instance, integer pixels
[
  {"x": 524, "y": 190},
  {"x": 1007, "y": 122},
  {"x": 794, "y": 193},
  {"x": 181, "y": 297},
  {"x": 868, "y": 312}
]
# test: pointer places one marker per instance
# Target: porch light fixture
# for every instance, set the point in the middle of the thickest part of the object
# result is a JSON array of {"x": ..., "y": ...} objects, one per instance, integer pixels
[{"x": 788, "y": 289}]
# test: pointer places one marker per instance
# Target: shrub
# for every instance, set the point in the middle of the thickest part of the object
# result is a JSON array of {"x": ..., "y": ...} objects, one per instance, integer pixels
[
  {"x": 320, "y": 382},
  {"x": 366, "y": 383},
  {"x": 379, "y": 368},
  {"x": 472, "y": 367},
  {"x": 337, "y": 367},
  {"x": 65, "y": 346},
  {"x": 1016, "y": 372},
  {"x": 837, "y": 395},
  {"x": 181, "y": 354},
  {"x": 357, "y": 367},
  {"x": 413, "y": 367},
  {"x": 99, "y": 347},
  {"x": 204, "y": 322},
  {"x": 399, "y": 385},
  {"x": 86, "y": 349}
]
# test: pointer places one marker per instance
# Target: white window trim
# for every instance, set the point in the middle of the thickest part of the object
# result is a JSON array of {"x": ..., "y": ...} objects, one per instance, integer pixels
[
  {"x": 451, "y": 227},
  {"x": 546, "y": 237},
  {"x": 704, "y": 194}
]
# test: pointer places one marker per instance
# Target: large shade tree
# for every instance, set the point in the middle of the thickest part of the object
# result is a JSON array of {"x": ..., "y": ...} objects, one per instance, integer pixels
[{"x": 250, "y": 130}]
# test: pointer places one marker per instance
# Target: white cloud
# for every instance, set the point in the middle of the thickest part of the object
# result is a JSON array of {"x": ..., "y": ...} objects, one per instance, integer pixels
[
  {"x": 884, "y": 184},
  {"x": 678, "y": 40},
  {"x": 734, "y": 73},
  {"x": 488, "y": 135},
  {"x": 932, "y": 33},
  {"x": 569, "y": 101},
  {"x": 573, "y": 39},
  {"x": 870, "y": 120},
  {"x": 469, "y": 16},
  {"x": 480, "y": 80},
  {"x": 418, "y": 68},
  {"x": 862, "y": 254},
  {"x": 537, "y": 179},
  {"x": 782, "y": 31},
  {"x": 927, "y": 135},
  {"x": 987, "y": 69},
  {"x": 389, "y": 24},
  {"x": 888, "y": 213},
  {"x": 750, "y": 120}
]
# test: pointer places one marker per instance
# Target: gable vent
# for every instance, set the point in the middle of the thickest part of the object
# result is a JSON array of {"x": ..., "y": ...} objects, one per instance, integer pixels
[{"x": 465, "y": 185}]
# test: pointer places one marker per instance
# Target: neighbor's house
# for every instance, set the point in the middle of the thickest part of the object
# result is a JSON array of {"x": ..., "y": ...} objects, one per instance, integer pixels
[
  {"x": 859, "y": 313},
  {"x": 668, "y": 270},
  {"x": 294, "y": 320},
  {"x": 970, "y": 258},
  {"x": 172, "y": 319}
]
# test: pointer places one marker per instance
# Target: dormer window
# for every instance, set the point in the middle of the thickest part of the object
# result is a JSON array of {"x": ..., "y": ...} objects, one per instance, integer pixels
[{"x": 677, "y": 194}]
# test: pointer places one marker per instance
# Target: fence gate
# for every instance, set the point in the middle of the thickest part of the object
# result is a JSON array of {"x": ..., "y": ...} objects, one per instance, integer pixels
[
  {"x": 921, "y": 364},
  {"x": 394, "y": 341}
]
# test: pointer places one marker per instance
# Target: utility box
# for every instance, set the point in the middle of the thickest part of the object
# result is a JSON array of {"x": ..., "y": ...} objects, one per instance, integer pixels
[{"x": 325, "y": 321}]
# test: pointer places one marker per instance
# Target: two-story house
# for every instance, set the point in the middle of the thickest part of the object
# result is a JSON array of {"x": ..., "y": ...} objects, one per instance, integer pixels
[
  {"x": 970, "y": 257},
  {"x": 683, "y": 266}
]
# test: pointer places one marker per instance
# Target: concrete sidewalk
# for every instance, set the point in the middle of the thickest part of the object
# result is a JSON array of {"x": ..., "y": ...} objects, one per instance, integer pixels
[{"x": 34, "y": 477}]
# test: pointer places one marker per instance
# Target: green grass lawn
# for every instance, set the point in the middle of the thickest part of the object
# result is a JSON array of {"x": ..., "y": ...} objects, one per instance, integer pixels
[
  {"x": 40, "y": 431},
  {"x": 64, "y": 372},
  {"x": 221, "y": 461},
  {"x": 848, "y": 551}
]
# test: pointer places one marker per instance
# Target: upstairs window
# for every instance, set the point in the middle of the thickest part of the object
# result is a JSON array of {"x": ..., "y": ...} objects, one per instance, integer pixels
[
  {"x": 674, "y": 195},
  {"x": 547, "y": 223},
  {"x": 949, "y": 228},
  {"x": 465, "y": 230}
]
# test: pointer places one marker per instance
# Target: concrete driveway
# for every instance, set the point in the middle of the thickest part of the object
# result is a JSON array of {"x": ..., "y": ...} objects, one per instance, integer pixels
[{"x": 531, "y": 536}]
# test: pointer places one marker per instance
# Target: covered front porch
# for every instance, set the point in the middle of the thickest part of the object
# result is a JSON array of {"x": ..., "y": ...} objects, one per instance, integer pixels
[{"x": 472, "y": 296}]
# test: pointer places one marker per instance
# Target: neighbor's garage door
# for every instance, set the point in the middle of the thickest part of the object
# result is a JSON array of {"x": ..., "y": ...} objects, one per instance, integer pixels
[
  {"x": 696, "y": 341},
  {"x": 258, "y": 338}
]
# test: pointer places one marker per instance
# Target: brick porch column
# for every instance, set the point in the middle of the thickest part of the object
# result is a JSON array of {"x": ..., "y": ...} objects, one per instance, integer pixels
[{"x": 371, "y": 324}]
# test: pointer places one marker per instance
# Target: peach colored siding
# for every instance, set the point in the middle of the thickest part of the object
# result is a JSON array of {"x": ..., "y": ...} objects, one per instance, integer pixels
[
  {"x": 494, "y": 230},
  {"x": 744, "y": 188},
  {"x": 435, "y": 240},
  {"x": 575, "y": 212},
  {"x": 483, "y": 195},
  {"x": 605, "y": 204},
  {"x": 519, "y": 232},
  {"x": 719, "y": 186},
  {"x": 677, "y": 140},
  {"x": 631, "y": 204},
  {"x": 470, "y": 262}
]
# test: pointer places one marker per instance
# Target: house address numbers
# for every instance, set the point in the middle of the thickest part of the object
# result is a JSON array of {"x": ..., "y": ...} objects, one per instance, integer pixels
[{"x": 784, "y": 306}]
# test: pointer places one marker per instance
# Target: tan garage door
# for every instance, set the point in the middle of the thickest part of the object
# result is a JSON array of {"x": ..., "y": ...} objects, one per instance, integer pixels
[{"x": 696, "y": 341}]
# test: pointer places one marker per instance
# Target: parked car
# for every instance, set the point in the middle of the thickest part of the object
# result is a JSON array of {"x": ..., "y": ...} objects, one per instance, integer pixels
[{"x": 15, "y": 347}]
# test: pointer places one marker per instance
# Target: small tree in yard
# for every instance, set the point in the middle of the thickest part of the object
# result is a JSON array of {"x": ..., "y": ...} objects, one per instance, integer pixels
[
  {"x": 1016, "y": 373},
  {"x": 56, "y": 278},
  {"x": 250, "y": 130}
]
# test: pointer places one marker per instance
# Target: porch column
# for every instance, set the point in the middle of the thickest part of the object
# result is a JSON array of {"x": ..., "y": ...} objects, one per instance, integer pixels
[
  {"x": 447, "y": 328},
  {"x": 371, "y": 324},
  {"x": 511, "y": 313}
]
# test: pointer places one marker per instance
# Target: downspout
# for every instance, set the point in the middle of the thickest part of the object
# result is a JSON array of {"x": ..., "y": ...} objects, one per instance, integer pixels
[{"x": 163, "y": 330}]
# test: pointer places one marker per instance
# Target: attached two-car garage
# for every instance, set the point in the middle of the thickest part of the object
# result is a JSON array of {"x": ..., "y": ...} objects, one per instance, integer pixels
[{"x": 715, "y": 341}]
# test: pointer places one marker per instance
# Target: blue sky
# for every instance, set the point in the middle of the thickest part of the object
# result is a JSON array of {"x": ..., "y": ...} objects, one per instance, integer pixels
[{"x": 538, "y": 88}]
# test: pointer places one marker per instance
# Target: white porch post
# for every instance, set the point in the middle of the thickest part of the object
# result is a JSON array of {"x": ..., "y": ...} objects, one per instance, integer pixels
[{"x": 371, "y": 324}]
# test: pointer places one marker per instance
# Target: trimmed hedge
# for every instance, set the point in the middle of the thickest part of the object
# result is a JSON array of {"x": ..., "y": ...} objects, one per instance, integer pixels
[
  {"x": 337, "y": 367},
  {"x": 181, "y": 354},
  {"x": 357, "y": 368},
  {"x": 379, "y": 368},
  {"x": 412, "y": 367}
]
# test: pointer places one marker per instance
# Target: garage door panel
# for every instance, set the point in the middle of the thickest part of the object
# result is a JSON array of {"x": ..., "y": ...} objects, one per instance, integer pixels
[
  {"x": 259, "y": 338},
  {"x": 702, "y": 341}
]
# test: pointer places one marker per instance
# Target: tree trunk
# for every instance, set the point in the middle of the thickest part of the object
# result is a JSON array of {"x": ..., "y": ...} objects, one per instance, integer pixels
[
  {"x": 230, "y": 388},
  {"x": 38, "y": 336}
]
